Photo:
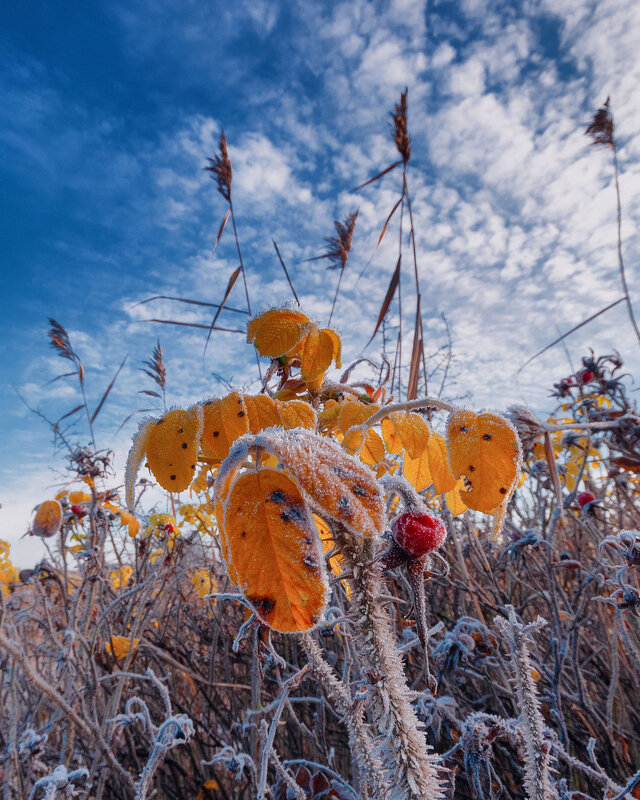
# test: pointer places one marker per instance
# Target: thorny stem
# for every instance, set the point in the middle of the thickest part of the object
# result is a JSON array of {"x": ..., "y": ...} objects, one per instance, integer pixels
[
  {"x": 360, "y": 739},
  {"x": 537, "y": 781},
  {"x": 411, "y": 770}
]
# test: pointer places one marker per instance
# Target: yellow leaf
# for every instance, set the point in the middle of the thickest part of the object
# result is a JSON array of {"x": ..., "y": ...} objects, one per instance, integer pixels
[
  {"x": 392, "y": 440},
  {"x": 317, "y": 354},
  {"x": 203, "y": 582},
  {"x": 337, "y": 345},
  {"x": 225, "y": 420},
  {"x": 78, "y": 497},
  {"x": 335, "y": 561},
  {"x": 273, "y": 545},
  {"x": 484, "y": 448},
  {"x": 412, "y": 430},
  {"x": 120, "y": 577},
  {"x": 262, "y": 412},
  {"x": 119, "y": 646},
  {"x": 354, "y": 413},
  {"x": 417, "y": 470},
  {"x": 339, "y": 484},
  {"x": 373, "y": 450},
  {"x": 454, "y": 501},
  {"x": 275, "y": 333},
  {"x": 296, "y": 414},
  {"x": 441, "y": 475},
  {"x": 172, "y": 448},
  {"x": 48, "y": 519}
]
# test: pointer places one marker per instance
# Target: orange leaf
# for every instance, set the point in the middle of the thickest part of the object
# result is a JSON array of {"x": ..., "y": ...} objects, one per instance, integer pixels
[
  {"x": 172, "y": 448},
  {"x": 441, "y": 475},
  {"x": 262, "y": 412},
  {"x": 354, "y": 413},
  {"x": 274, "y": 548},
  {"x": 277, "y": 332},
  {"x": 224, "y": 421},
  {"x": 454, "y": 501},
  {"x": 119, "y": 646},
  {"x": 412, "y": 430},
  {"x": 485, "y": 449},
  {"x": 336, "y": 343},
  {"x": 317, "y": 354},
  {"x": 296, "y": 414},
  {"x": 417, "y": 470},
  {"x": 392, "y": 441},
  {"x": 48, "y": 519},
  {"x": 336, "y": 482},
  {"x": 373, "y": 450}
]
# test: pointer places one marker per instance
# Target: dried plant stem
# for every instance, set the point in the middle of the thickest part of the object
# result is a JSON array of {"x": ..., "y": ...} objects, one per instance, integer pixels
[
  {"x": 623, "y": 278},
  {"x": 411, "y": 770},
  {"x": 537, "y": 779},
  {"x": 360, "y": 740}
]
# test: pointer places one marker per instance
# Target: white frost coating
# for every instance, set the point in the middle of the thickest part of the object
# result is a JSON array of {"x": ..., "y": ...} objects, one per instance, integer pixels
[
  {"x": 311, "y": 551},
  {"x": 134, "y": 459},
  {"x": 537, "y": 780}
]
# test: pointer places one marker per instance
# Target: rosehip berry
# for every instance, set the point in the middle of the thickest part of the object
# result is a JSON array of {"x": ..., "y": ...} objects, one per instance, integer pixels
[
  {"x": 77, "y": 510},
  {"x": 585, "y": 376},
  {"x": 585, "y": 497},
  {"x": 418, "y": 534},
  {"x": 169, "y": 527}
]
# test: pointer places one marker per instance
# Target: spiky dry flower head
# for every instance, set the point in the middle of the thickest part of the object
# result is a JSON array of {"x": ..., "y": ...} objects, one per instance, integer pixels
[
  {"x": 400, "y": 133},
  {"x": 220, "y": 166},
  {"x": 601, "y": 127},
  {"x": 340, "y": 244}
]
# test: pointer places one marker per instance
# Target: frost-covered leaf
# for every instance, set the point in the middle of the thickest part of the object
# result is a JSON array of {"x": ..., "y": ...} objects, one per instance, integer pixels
[
  {"x": 274, "y": 547},
  {"x": 48, "y": 519},
  {"x": 172, "y": 448}
]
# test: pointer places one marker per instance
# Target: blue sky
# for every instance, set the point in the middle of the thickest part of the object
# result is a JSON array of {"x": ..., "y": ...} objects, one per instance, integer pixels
[{"x": 111, "y": 109}]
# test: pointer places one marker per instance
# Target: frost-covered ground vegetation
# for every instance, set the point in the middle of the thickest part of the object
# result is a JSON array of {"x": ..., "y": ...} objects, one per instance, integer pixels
[{"x": 353, "y": 588}]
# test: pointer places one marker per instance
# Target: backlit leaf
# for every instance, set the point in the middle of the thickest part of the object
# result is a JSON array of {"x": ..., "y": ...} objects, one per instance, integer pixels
[
  {"x": 262, "y": 412},
  {"x": 296, "y": 414},
  {"x": 172, "y": 448},
  {"x": 417, "y": 470},
  {"x": 441, "y": 476},
  {"x": 119, "y": 646},
  {"x": 277, "y": 332},
  {"x": 48, "y": 519},
  {"x": 392, "y": 440},
  {"x": 317, "y": 354},
  {"x": 225, "y": 420},
  {"x": 373, "y": 449},
  {"x": 413, "y": 431},
  {"x": 454, "y": 501},
  {"x": 337, "y": 345},
  {"x": 274, "y": 547},
  {"x": 485, "y": 449},
  {"x": 354, "y": 413}
]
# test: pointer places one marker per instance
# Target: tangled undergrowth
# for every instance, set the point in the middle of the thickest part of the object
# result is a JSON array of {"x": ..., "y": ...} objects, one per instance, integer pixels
[{"x": 348, "y": 591}]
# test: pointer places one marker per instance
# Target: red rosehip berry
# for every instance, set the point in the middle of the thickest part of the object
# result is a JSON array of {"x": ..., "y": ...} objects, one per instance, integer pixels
[
  {"x": 585, "y": 497},
  {"x": 418, "y": 534},
  {"x": 169, "y": 527},
  {"x": 77, "y": 510},
  {"x": 585, "y": 376}
]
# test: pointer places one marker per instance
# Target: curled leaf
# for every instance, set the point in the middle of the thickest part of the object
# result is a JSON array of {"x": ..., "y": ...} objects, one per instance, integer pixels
[
  {"x": 48, "y": 519},
  {"x": 172, "y": 448}
]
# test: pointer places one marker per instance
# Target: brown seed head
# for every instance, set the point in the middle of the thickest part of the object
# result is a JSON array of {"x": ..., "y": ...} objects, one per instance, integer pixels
[
  {"x": 400, "y": 134},
  {"x": 601, "y": 127},
  {"x": 220, "y": 166}
]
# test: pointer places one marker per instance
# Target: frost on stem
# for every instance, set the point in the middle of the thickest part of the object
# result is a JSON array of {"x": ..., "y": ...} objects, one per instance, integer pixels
[
  {"x": 536, "y": 747},
  {"x": 411, "y": 770}
]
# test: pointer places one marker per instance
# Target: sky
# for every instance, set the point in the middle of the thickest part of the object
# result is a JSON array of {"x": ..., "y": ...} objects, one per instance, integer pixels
[{"x": 110, "y": 110}]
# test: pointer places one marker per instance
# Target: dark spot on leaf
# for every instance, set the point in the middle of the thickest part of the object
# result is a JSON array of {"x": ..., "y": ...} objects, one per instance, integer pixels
[
  {"x": 173, "y": 477},
  {"x": 241, "y": 413},
  {"x": 358, "y": 490},
  {"x": 264, "y": 606},
  {"x": 180, "y": 430},
  {"x": 184, "y": 445},
  {"x": 193, "y": 466},
  {"x": 471, "y": 468},
  {"x": 503, "y": 490},
  {"x": 486, "y": 436},
  {"x": 216, "y": 434},
  {"x": 159, "y": 422},
  {"x": 344, "y": 505},
  {"x": 278, "y": 496},
  {"x": 243, "y": 534},
  {"x": 463, "y": 429}
]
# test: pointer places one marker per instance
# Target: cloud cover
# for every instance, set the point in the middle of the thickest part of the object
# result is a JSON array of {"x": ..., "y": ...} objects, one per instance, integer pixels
[{"x": 107, "y": 203}]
